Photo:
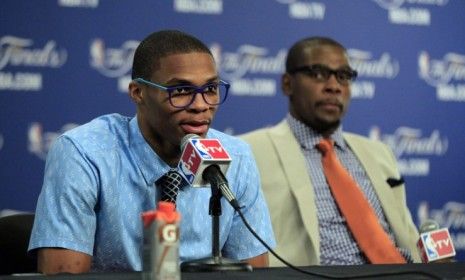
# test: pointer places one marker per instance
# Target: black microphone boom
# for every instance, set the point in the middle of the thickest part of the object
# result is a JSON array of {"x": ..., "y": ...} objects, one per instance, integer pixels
[
  {"x": 214, "y": 175},
  {"x": 204, "y": 172}
]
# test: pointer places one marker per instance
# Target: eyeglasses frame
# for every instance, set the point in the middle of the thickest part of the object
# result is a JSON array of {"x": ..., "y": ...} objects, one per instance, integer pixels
[
  {"x": 196, "y": 90},
  {"x": 309, "y": 68}
]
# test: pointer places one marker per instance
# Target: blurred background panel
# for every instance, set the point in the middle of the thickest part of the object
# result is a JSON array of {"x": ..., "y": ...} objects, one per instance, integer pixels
[{"x": 65, "y": 62}]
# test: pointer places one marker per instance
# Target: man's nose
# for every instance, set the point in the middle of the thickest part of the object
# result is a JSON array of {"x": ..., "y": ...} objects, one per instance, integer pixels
[
  {"x": 332, "y": 84},
  {"x": 198, "y": 104}
]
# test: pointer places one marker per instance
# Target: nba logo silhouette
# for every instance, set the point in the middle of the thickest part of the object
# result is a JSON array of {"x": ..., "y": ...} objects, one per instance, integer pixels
[
  {"x": 201, "y": 149},
  {"x": 430, "y": 247}
]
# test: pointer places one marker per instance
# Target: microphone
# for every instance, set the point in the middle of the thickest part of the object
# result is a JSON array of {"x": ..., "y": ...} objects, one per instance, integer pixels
[
  {"x": 435, "y": 244},
  {"x": 204, "y": 162}
]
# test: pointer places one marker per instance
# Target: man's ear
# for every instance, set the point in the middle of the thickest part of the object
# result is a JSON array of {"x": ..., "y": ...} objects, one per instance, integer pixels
[
  {"x": 135, "y": 92},
  {"x": 286, "y": 84}
]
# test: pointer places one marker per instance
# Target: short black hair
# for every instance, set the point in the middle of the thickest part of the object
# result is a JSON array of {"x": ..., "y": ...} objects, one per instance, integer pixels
[
  {"x": 296, "y": 52},
  {"x": 161, "y": 44}
]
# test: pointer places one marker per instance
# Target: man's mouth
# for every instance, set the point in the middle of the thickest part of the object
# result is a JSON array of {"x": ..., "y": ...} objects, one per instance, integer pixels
[
  {"x": 329, "y": 105},
  {"x": 195, "y": 127}
]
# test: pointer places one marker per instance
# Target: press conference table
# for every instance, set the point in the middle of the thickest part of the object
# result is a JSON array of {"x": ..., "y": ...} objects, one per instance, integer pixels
[{"x": 418, "y": 271}]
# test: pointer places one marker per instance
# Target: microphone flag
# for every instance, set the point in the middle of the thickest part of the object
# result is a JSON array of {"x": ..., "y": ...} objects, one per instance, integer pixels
[
  {"x": 198, "y": 154},
  {"x": 436, "y": 245}
]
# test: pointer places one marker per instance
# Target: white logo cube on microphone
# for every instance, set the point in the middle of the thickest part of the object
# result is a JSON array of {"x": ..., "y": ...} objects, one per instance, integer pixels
[
  {"x": 197, "y": 155},
  {"x": 436, "y": 245}
]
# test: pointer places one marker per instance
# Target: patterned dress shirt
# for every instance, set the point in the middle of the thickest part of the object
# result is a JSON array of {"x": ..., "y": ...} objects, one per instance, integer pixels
[{"x": 337, "y": 245}]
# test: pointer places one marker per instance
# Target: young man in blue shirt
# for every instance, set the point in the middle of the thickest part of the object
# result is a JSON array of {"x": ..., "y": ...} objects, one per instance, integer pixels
[{"x": 101, "y": 176}]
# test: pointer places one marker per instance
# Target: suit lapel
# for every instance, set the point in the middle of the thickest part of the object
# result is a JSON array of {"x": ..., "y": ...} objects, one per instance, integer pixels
[
  {"x": 378, "y": 179},
  {"x": 290, "y": 154}
]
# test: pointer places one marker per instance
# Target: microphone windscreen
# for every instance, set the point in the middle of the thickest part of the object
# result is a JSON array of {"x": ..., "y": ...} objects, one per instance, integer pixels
[
  {"x": 186, "y": 138},
  {"x": 429, "y": 225}
]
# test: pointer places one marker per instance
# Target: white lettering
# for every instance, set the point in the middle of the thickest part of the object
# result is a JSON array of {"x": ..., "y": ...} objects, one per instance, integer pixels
[
  {"x": 13, "y": 52},
  {"x": 253, "y": 87},
  {"x": 410, "y": 16},
  {"x": 190, "y": 160},
  {"x": 214, "y": 149},
  {"x": 251, "y": 59},
  {"x": 451, "y": 216},
  {"x": 384, "y": 67},
  {"x": 305, "y": 10},
  {"x": 451, "y": 92},
  {"x": 199, "y": 6},
  {"x": 439, "y": 72},
  {"x": 429, "y": 2},
  {"x": 78, "y": 3},
  {"x": 363, "y": 89},
  {"x": 395, "y": 4},
  {"x": 442, "y": 243},
  {"x": 20, "y": 81},
  {"x": 414, "y": 167},
  {"x": 406, "y": 140}
]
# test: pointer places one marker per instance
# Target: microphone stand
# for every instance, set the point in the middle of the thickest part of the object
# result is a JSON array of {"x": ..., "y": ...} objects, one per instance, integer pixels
[{"x": 216, "y": 262}]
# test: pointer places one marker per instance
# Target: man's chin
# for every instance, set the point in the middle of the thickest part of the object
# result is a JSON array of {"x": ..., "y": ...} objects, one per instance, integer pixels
[{"x": 324, "y": 125}]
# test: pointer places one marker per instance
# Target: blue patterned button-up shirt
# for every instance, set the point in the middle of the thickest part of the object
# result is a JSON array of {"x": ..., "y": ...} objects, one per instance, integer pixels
[{"x": 101, "y": 176}]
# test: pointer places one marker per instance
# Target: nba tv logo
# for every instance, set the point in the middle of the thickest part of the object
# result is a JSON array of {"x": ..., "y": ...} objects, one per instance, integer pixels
[
  {"x": 437, "y": 244},
  {"x": 210, "y": 149},
  {"x": 197, "y": 155}
]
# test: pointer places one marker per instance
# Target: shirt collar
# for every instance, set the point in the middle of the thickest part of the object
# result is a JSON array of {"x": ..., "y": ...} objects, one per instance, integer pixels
[
  {"x": 149, "y": 163},
  {"x": 308, "y": 138}
]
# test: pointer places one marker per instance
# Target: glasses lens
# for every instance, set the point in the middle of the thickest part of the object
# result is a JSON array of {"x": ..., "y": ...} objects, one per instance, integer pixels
[
  {"x": 323, "y": 73},
  {"x": 345, "y": 75},
  {"x": 181, "y": 95},
  {"x": 318, "y": 72},
  {"x": 213, "y": 94}
]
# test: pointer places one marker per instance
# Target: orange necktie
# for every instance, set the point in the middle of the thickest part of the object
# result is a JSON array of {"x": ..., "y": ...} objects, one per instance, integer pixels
[{"x": 360, "y": 216}]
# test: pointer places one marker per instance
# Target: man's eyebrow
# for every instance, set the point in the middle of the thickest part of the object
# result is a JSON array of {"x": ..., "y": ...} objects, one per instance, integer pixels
[
  {"x": 177, "y": 81},
  {"x": 342, "y": 67}
]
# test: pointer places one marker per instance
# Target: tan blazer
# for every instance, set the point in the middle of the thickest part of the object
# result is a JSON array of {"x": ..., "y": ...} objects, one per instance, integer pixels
[{"x": 290, "y": 197}]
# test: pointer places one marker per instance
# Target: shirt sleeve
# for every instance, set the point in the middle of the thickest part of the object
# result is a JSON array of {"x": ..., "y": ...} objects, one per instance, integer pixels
[
  {"x": 65, "y": 214},
  {"x": 241, "y": 244}
]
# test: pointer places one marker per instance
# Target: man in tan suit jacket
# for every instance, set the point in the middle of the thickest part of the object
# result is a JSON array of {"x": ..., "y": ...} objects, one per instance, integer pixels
[{"x": 318, "y": 99}]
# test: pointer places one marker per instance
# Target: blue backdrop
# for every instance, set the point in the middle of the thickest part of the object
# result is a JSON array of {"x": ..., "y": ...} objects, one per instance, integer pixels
[{"x": 64, "y": 62}]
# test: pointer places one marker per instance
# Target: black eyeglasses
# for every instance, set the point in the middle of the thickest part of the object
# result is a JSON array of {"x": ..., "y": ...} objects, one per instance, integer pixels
[
  {"x": 323, "y": 73},
  {"x": 183, "y": 96}
]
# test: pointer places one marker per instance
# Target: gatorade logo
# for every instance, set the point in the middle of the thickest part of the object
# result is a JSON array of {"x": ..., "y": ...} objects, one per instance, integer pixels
[{"x": 169, "y": 233}]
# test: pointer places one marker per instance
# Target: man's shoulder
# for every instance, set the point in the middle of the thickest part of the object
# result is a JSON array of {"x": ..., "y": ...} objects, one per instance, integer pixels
[
  {"x": 232, "y": 143},
  {"x": 101, "y": 131},
  {"x": 254, "y": 134},
  {"x": 354, "y": 139},
  {"x": 101, "y": 124},
  {"x": 351, "y": 136},
  {"x": 263, "y": 133}
]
